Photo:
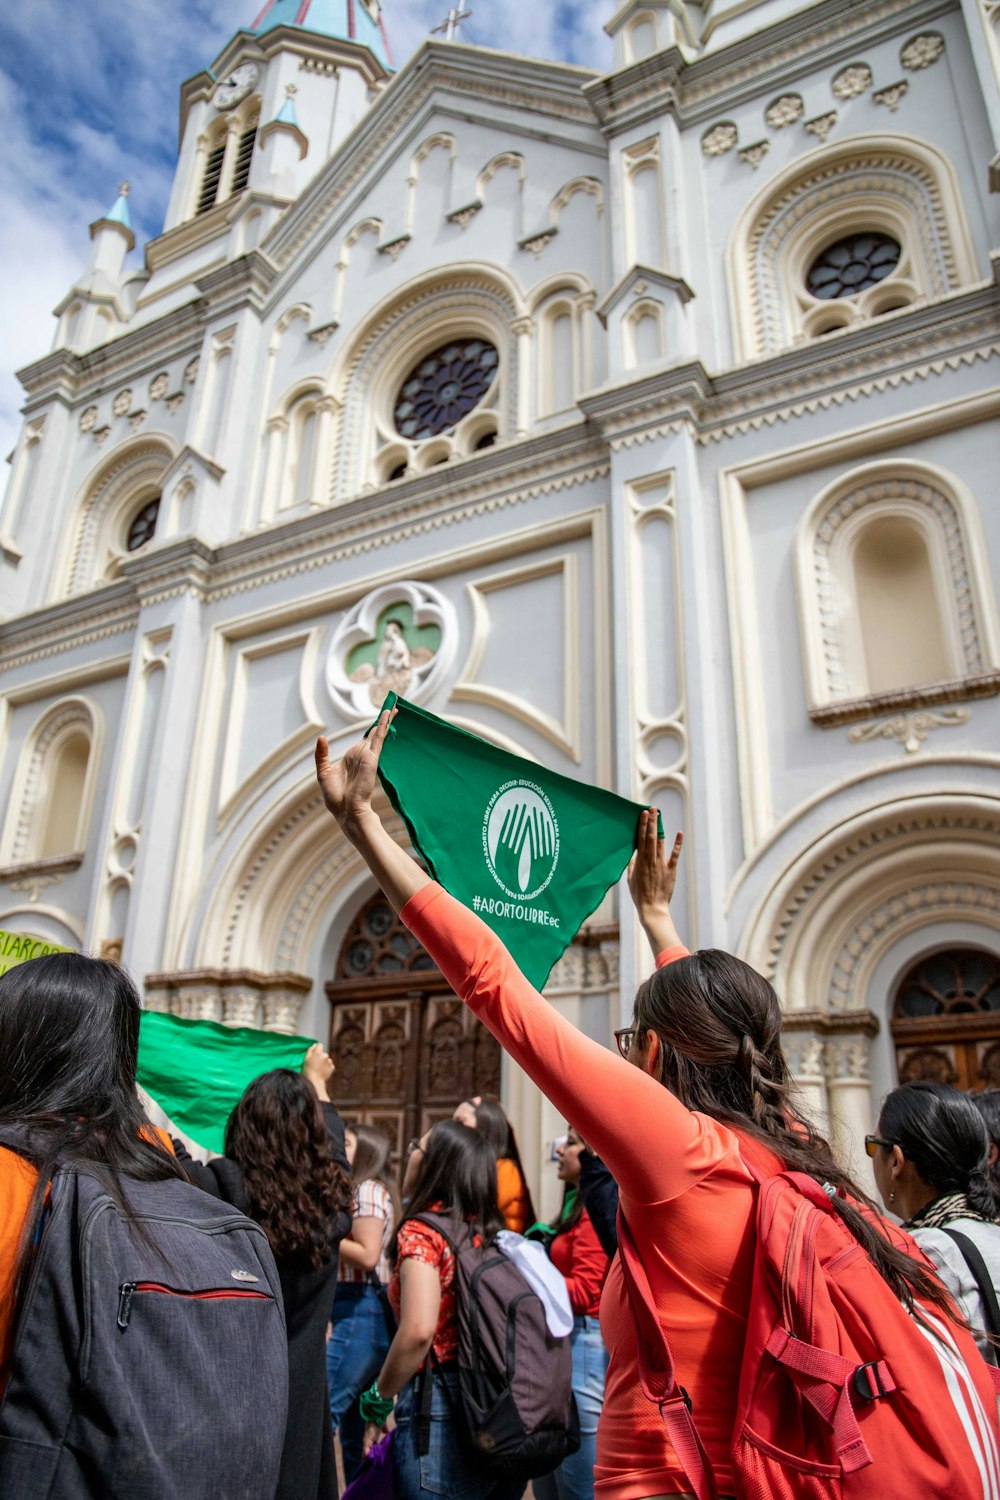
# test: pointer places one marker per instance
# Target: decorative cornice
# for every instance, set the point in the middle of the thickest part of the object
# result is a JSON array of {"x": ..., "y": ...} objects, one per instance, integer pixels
[
  {"x": 247, "y": 279},
  {"x": 927, "y": 339},
  {"x": 79, "y": 621},
  {"x": 831, "y": 1023},
  {"x": 768, "y": 60},
  {"x": 985, "y": 686},
  {"x": 133, "y": 355}
]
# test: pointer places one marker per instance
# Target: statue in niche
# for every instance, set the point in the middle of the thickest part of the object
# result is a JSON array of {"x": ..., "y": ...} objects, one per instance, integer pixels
[{"x": 400, "y": 650}]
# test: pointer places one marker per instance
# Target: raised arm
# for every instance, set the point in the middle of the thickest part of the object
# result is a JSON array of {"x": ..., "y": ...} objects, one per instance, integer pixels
[{"x": 615, "y": 1106}]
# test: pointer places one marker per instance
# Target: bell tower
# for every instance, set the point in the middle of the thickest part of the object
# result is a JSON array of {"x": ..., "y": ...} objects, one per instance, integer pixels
[{"x": 277, "y": 100}]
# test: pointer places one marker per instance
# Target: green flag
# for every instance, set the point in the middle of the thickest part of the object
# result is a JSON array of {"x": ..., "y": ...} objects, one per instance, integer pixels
[
  {"x": 19, "y": 947},
  {"x": 531, "y": 851},
  {"x": 197, "y": 1070}
]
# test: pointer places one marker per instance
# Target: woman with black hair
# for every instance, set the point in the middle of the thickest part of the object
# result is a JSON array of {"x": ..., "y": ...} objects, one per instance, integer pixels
[
  {"x": 930, "y": 1164},
  {"x": 987, "y": 1101},
  {"x": 485, "y": 1114},
  {"x": 457, "y": 1182},
  {"x": 69, "y": 1040},
  {"x": 284, "y": 1166},
  {"x": 697, "y": 1109},
  {"x": 578, "y": 1254}
]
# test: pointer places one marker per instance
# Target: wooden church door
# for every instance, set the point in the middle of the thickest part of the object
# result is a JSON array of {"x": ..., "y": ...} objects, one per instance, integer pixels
[{"x": 406, "y": 1049}]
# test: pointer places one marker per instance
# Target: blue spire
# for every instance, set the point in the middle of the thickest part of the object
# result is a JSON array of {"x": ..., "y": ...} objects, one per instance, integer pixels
[
  {"x": 119, "y": 213},
  {"x": 348, "y": 20},
  {"x": 286, "y": 114}
]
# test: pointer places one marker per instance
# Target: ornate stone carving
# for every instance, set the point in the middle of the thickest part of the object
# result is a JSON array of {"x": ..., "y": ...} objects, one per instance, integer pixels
[
  {"x": 158, "y": 386},
  {"x": 536, "y": 243},
  {"x": 174, "y": 401},
  {"x": 922, "y": 50},
  {"x": 784, "y": 111},
  {"x": 234, "y": 996},
  {"x": 755, "y": 154},
  {"x": 191, "y": 370},
  {"x": 122, "y": 402},
  {"x": 893, "y": 95},
  {"x": 463, "y": 217},
  {"x": 101, "y": 435},
  {"x": 848, "y": 1060},
  {"x": 852, "y": 81},
  {"x": 136, "y": 419},
  {"x": 821, "y": 125},
  {"x": 720, "y": 139},
  {"x": 395, "y": 247},
  {"x": 400, "y": 638},
  {"x": 88, "y": 419},
  {"x": 912, "y": 729}
]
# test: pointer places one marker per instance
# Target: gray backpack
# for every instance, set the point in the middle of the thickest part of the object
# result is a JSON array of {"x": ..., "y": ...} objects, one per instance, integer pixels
[
  {"x": 515, "y": 1380},
  {"x": 150, "y": 1361}
]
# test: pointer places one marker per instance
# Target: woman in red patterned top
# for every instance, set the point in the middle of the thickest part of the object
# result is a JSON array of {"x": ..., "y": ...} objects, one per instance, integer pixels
[{"x": 458, "y": 1182}]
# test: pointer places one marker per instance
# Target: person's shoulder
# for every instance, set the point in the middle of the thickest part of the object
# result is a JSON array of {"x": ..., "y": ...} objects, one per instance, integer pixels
[
  {"x": 17, "y": 1176},
  {"x": 419, "y": 1240}
]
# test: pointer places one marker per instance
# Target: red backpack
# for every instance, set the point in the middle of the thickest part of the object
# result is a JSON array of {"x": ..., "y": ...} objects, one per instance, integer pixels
[{"x": 842, "y": 1392}]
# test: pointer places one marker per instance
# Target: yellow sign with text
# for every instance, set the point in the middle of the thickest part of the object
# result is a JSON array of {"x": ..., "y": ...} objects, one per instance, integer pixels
[{"x": 18, "y": 947}]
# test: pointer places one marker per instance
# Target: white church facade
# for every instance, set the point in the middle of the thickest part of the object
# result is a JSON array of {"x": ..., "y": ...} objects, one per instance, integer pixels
[{"x": 644, "y": 423}]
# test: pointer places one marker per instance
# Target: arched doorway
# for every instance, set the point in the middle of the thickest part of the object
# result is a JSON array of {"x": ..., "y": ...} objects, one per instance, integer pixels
[
  {"x": 406, "y": 1049},
  {"x": 946, "y": 1019}
]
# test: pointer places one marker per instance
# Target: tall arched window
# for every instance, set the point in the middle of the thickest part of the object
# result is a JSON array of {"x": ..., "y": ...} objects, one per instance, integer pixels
[
  {"x": 228, "y": 157},
  {"x": 645, "y": 205},
  {"x": 903, "y": 637},
  {"x": 644, "y": 336},
  {"x": 52, "y": 801},
  {"x": 896, "y": 599},
  {"x": 946, "y": 1019},
  {"x": 302, "y": 451}
]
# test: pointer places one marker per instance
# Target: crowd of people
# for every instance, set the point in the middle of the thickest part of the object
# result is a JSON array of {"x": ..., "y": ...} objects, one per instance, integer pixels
[{"x": 674, "y": 1142}]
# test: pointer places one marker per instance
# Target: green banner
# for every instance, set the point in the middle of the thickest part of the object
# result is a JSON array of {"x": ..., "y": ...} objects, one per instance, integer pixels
[
  {"x": 197, "y": 1070},
  {"x": 19, "y": 947},
  {"x": 531, "y": 851}
]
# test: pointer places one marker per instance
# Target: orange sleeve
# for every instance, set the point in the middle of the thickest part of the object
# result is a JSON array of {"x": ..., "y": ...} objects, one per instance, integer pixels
[
  {"x": 17, "y": 1183},
  {"x": 512, "y": 1196},
  {"x": 618, "y": 1109}
]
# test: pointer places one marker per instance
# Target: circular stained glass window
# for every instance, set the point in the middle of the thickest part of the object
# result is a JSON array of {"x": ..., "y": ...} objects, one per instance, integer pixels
[
  {"x": 444, "y": 387},
  {"x": 143, "y": 526},
  {"x": 849, "y": 266}
]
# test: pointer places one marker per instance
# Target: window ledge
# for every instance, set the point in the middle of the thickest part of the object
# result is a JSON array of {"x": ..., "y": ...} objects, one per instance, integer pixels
[
  {"x": 56, "y": 864},
  {"x": 986, "y": 685}
]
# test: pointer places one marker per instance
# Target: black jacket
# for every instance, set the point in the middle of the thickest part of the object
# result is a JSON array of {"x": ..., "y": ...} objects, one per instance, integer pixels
[
  {"x": 308, "y": 1471},
  {"x": 599, "y": 1192}
]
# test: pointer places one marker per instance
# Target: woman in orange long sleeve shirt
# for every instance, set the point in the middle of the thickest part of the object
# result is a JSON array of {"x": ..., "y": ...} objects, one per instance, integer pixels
[{"x": 701, "y": 1084}]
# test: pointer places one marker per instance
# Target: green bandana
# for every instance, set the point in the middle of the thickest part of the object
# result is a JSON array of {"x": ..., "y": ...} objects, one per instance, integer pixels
[
  {"x": 197, "y": 1070},
  {"x": 531, "y": 851}
]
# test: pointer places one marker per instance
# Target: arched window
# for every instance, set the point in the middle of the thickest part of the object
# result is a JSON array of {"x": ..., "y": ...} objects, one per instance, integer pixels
[
  {"x": 228, "y": 157},
  {"x": 212, "y": 174},
  {"x": 854, "y": 231},
  {"x": 50, "y": 810},
  {"x": 244, "y": 156},
  {"x": 142, "y": 527},
  {"x": 643, "y": 336},
  {"x": 117, "y": 513},
  {"x": 645, "y": 204},
  {"x": 641, "y": 37},
  {"x": 557, "y": 359},
  {"x": 302, "y": 451},
  {"x": 896, "y": 603},
  {"x": 946, "y": 1019},
  {"x": 903, "y": 637}
]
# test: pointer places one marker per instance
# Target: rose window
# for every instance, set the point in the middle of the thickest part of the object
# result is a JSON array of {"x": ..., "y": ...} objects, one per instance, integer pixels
[
  {"x": 143, "y": 526},
  {"x": 444, "y": 387},
  {"x": 851, "y": 265}
]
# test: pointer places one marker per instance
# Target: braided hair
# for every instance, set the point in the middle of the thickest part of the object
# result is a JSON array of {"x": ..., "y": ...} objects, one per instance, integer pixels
[{"x": 719, "y": 1027}]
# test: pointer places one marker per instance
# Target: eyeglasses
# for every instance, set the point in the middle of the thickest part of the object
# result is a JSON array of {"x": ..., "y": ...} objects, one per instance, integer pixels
[
  {"x": 624, "y": 1036},
  {"x": 871, "y": 1141}
]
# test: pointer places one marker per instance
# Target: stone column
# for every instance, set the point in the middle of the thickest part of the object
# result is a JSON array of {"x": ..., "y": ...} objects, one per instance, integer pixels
[
  {"x": 233, "y": 133},
  {"x": 523, "y": 328},
  {"x": 848, "y": 1081},
  {"x": 327, "y": 409}
]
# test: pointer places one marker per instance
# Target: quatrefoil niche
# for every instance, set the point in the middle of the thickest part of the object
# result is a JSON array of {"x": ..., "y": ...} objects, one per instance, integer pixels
[{"x": 400, "y": 638}]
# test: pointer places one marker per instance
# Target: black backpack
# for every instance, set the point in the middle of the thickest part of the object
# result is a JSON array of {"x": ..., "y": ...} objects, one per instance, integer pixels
[
  {"x": 515, "y": 1379},
  {"x": 149, "y": 1363}
]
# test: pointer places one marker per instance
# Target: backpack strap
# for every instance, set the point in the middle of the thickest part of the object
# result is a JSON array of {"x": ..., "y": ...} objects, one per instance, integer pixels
[
  {"x": 656, "y": 1369},
  {"x": 980, "y": 1273}
]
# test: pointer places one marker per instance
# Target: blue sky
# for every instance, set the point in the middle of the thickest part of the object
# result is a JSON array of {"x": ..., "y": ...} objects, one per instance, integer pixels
[{"x": 88, "y": 96}]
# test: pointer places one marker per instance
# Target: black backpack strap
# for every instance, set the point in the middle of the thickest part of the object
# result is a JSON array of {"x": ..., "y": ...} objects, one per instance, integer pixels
[
  {"x": 391, "y": 1321},
  {"x": 984, "y": 1281}
]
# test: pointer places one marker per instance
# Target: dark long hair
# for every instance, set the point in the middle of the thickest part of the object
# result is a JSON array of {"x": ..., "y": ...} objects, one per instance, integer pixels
[
  {"x": 987, "y": 1101},
  {"x": 69, "y": 1041},
  {"x": 940, "y": 1130},
  {"x": 371, "y": 1162},
  {"x": 458, "y": 1172},
  {"x": 277, "y": 1136},
  {"x": 492, "y": 1122},
  {"x": 719, "y": 1026}
]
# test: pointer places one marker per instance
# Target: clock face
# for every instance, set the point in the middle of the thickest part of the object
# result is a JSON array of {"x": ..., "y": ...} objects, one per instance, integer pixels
[{"x": 236, "y": 87}]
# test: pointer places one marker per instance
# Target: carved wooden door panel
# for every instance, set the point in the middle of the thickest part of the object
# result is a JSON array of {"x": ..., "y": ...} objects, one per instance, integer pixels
[
  {"x": 946, "y": 1019},
  {"x": 406, "y": 1050}
]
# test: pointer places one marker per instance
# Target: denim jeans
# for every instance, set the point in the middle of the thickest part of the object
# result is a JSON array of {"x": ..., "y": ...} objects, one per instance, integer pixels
[
  {"x": 445, "y": 1469},
  {"x": 354, "y": 1356},
  {"x": 574, "y": 1478}
]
